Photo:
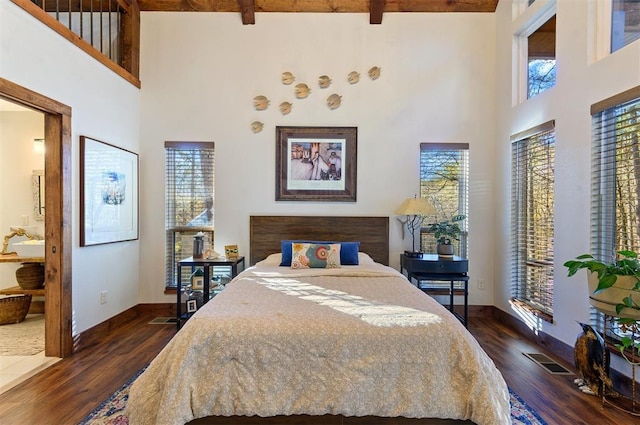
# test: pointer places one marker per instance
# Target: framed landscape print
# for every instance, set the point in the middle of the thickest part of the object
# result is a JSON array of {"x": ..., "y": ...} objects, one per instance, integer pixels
[
  {"x": 316, "y": 163},
  {"x": 108, "y": 193}
]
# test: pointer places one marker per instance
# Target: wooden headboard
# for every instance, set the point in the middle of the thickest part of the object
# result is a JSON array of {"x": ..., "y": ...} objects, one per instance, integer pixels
[{"x": 266, "y": 232}]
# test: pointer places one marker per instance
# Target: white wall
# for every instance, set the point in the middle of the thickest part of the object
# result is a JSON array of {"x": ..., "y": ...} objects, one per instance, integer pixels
[
  {"x": 579, "y": 85},
  {"x": 200, "y": 72},
  {"x": 17, "y": 162},
  {"x": 105, "y": 107}
]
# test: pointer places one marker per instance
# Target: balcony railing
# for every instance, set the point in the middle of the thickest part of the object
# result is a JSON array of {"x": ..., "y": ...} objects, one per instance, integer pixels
[{"x": 108, "y": 30}]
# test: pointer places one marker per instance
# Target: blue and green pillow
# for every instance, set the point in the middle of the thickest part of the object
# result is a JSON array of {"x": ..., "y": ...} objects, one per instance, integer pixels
[
  {"x": 348, "y": 251},
  {"x": 315, "y": 256}
]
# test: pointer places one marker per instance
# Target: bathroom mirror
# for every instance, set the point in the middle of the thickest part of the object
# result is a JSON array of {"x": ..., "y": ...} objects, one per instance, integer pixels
[{"x": 38, "y": 194}]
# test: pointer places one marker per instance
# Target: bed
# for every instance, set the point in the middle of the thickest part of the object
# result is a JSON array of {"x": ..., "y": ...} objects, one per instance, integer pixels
[{"x": 351, "y": 344}]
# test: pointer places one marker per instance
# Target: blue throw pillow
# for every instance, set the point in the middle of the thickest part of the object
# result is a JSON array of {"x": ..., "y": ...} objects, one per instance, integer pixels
[{"x": 348, "y": 251}]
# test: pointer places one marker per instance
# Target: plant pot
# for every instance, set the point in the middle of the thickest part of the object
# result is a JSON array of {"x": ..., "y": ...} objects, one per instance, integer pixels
[
  {"x": 606, "y": 301},
  {"x": 444, "y": 249},
  {"x": 30, "y": 275}
]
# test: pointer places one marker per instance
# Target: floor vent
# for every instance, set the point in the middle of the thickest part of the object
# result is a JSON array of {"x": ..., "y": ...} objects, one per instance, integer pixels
[
  {"x": 163, "y": 321},
  {"x": 549, "y": 364}
]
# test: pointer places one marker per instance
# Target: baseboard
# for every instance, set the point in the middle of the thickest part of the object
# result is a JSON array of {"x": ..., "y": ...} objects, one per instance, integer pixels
[
  {"x": 97, "y": 333},
  {"x": 565, "y": 352}
]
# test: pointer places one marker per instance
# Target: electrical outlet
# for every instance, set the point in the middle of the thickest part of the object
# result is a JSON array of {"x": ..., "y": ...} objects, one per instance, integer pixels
[
  {"x": 481, "y": 283},
  {"x": 103, "y": 297}
]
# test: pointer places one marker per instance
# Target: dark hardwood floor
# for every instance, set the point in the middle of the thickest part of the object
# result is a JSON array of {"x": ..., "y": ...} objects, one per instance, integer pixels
[{"x": 67, "y": 391}]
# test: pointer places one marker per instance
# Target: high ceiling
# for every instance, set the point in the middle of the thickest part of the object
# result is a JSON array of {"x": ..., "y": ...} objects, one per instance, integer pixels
[{"x": 375, "y": 8}]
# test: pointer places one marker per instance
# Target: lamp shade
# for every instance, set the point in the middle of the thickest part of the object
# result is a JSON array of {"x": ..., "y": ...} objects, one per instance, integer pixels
[{"x": 416, "y": 206}]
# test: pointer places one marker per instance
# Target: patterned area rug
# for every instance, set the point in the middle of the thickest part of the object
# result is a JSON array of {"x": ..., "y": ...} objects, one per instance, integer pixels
[
  {"x": 111, "y": 411},
  {"x": 23, "y": 339}
]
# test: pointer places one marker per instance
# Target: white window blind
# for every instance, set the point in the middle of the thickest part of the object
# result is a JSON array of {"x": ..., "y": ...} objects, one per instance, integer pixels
[
  {"x": 189, "y": 200},
  {"x": 615, "y": 178},
  {"x": 444, "y": 181},
  {"x": 532, "y": 210}
]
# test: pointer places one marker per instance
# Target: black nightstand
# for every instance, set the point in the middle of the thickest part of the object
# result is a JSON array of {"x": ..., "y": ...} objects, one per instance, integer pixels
[
  {"x": 208, "y": 266},
  {"x": 429, "y": 273}
]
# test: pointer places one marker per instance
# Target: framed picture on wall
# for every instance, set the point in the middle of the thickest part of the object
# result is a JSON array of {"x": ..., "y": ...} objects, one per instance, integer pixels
[
  {"x": 108, "y": 193},
  {"x": 316, "y": 163}
]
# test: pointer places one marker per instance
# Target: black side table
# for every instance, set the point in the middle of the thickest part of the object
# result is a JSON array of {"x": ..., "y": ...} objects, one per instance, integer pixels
[
  {"x": 431, "y": 268},
  {"x": 206, "y": 264}
]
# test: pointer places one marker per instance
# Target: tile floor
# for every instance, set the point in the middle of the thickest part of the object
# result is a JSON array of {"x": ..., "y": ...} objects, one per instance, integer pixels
[{"x": 15, "y": 369}]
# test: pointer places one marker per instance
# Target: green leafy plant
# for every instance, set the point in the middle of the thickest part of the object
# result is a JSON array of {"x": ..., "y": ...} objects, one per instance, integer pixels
[
  {"x": 446, "y": 231},
  {"x": 626, "y": 264},
  {"x": 629, "y": 344}
]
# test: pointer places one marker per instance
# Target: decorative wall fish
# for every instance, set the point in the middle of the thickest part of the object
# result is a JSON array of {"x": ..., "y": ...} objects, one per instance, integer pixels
[
  {"x": 302, "y": 90},
  {"x": 285, "y": 108},
  {"x": 287, "y": 78},
  {"x": 260, "y": 102},
  {"x": 353, "y": 77},
  {"x": 256, "y": 126},
  {"x": 374, "y": 73},
  {"x": 324, "y": 81},
  {"x": 334, "y": 101}
]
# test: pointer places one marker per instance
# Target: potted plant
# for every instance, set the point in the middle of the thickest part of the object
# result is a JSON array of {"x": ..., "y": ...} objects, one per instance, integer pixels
[
  {"x": 614, "y": 287},
  {"x": 445, "y": 233}
]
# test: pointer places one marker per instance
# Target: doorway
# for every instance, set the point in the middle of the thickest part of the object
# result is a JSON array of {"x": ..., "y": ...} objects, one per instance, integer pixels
[{"x": 58, "y": 184}]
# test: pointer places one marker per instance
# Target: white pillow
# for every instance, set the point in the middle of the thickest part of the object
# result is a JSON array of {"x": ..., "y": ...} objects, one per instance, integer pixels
[
  {"x": 271, "y": 260},
  {"x": 364, "y": 259}
]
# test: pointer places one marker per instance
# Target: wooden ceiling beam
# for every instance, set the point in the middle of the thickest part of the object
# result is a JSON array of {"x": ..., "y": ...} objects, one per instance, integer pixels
[
  {"x": 247, "y": 11},
  {"x": 319, "y": 6},
  {"x": 376, "y": 11}
]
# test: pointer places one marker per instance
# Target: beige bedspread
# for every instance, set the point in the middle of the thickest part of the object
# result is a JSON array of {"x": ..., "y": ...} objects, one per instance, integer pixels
[{"x": 354, "y": 341}]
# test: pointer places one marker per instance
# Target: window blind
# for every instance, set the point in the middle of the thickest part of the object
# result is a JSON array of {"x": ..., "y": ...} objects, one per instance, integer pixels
[
  {"x": 532, "y": 209},
  {"x": 615, "y": 190},
  {"x": 615, "y": 178},
  {"x": 189, "y": 200},
  {"x": 444, "y": 181}
]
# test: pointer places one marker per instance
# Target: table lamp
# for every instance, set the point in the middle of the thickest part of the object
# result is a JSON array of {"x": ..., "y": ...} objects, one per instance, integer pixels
[{"x": 415, "y": 209}]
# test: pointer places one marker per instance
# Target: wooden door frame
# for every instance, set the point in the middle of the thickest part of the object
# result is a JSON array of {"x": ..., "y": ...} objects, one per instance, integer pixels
[{"x": 57, "y": 218}]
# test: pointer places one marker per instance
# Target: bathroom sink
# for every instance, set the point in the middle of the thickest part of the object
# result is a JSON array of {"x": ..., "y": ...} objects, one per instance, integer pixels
[{"x": 31, "y": 248}]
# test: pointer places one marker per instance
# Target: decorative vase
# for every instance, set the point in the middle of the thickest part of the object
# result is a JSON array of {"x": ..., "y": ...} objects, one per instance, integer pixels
[
  {"x": 30, "y": 275},
  {"x": 445, "y": 249},
  {"x": 607, "y": 299}
]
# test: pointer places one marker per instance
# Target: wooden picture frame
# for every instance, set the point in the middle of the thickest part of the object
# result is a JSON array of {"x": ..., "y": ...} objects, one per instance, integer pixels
[
  {"x": 316, "y": 163},
  {"x": 231, "y": 252},
  {"x": 108, "y": 193}
]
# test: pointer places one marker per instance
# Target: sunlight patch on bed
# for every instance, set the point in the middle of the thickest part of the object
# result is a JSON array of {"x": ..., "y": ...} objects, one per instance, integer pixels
[{"x": 372, "y": 312}]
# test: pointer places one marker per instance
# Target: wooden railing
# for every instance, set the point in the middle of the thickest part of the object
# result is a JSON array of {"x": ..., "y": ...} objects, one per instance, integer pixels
[{"x": 107, "y": 30}]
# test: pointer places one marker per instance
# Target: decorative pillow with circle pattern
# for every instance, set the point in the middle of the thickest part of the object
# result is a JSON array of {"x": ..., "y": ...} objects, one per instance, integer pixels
[{"x": 315, "y": 256}]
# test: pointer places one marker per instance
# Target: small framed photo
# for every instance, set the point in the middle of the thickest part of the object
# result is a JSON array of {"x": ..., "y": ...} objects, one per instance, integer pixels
[
  {"x": 231, "y": 251},
  {"x": 192, "y": 306},
  {"x": 197, "y": 283}
]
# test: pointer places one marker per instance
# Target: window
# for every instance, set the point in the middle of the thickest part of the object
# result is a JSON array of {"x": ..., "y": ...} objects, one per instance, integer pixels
[
  {"x": 541, "y": 64},
  {"x": 615, "y": 189},
  {"x": 625, "y": 23},
  {"x": 444, "y": 181},
  {"x": 532, "y": 210},
  {"x": 616, "y": 176},
  {"x": 189, "y": 201}
]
